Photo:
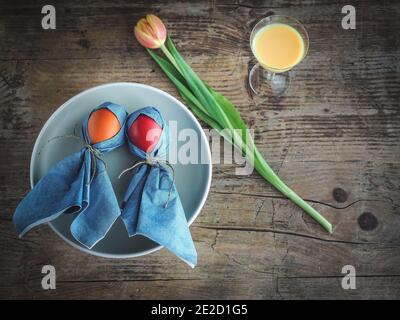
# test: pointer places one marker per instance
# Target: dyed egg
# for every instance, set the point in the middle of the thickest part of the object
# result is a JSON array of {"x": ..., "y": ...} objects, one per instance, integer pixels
[
  {"x": 102, "y": 125},
  {"x": 144, "y": 133}
]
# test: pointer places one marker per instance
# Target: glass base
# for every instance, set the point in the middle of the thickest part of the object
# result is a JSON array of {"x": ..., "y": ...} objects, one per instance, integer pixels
[{"x": 265, "y": 84}]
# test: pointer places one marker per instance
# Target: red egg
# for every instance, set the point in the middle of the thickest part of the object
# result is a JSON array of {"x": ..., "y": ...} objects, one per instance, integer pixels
[
  {"x": 102, "y": 125},
  {"x": 144, "y": 133}
]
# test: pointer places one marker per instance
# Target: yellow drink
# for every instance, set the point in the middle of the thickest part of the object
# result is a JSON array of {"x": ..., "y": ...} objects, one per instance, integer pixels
[{"x": 278, "y": 47}]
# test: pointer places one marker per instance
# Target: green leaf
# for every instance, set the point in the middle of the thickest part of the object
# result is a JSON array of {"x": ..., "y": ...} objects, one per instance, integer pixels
[
  {"x": 210, "y": 121},
  {"x": 233, "y": 115},
  {"x": 229, "y": 109},
  {"x": 167, "y": 67},
  {"x": 198, "y": 88},
  {"x": 178, "y": 81}
]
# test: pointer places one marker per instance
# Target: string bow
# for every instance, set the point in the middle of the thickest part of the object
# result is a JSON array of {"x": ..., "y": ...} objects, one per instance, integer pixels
[{"x": 153, "y": 161}]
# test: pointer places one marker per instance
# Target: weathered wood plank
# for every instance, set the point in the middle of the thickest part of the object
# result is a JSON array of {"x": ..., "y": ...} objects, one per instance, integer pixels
[{"x": 334, "y": 138}]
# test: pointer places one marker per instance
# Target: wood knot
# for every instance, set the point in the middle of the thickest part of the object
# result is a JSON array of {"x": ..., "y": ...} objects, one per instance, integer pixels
[
  {"x": 339, "y": 195},
  {"x": 367, "y": 221}
]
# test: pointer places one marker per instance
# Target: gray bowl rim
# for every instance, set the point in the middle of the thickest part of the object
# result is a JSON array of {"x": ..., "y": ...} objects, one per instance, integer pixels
[{"x": 168, "y": 96}]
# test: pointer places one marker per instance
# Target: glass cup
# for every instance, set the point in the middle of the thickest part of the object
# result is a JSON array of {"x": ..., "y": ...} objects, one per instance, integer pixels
[{"x": 270, "y": 76}]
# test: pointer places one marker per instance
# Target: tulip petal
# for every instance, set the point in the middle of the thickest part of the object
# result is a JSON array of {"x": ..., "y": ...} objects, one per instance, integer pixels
[
  {"x": 157, "y": 26},
  {"x": 145, "y": 40},
  {"x": 146, "y": 28},
  {"x": 140, "y": 23}
]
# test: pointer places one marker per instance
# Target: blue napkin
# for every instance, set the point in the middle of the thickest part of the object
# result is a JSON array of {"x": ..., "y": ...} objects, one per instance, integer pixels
[
  {"x": 152, "y": 206},
  {"x": 78, "y": 184}
]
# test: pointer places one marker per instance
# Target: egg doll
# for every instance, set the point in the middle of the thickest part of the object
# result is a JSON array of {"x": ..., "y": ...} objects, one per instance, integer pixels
[
  {"x": 79, "y": 184},
  {"x": 151, "y": 206}
]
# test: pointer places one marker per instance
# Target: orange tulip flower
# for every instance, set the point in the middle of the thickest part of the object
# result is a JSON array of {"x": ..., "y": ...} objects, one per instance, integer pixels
[{"x": 151, "y": 32}]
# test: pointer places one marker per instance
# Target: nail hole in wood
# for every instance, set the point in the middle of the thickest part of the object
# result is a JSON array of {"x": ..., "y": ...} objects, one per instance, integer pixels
[
  {"x": 339, "y": 195},
  {"x": 367, "y": 221}
]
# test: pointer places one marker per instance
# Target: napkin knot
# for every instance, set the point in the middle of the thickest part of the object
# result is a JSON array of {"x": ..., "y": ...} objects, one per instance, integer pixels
[
  {"x": 154, "y": 161},
  {"x": 95, "y": 155}
]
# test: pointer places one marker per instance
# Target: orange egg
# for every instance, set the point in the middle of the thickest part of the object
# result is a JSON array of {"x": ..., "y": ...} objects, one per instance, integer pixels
[{"x": 102, "y": 125}]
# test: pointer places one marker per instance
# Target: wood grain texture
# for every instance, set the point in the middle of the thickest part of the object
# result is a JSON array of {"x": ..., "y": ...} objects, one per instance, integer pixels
[{"x": 335, "y": 138}]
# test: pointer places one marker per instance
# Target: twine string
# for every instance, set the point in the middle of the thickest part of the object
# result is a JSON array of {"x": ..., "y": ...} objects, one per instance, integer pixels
[
  {"x": 152, "y": 161},
  {"x": 95, "y": 154}
]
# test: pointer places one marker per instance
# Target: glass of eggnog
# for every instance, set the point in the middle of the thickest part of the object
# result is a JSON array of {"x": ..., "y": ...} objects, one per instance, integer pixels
[{"x": 278, "y": 43}]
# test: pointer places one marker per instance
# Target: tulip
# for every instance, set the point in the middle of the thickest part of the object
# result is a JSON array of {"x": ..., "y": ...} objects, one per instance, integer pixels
[
  {"x": 151, "y": 32},
  {"x": 212, "y": 107}
]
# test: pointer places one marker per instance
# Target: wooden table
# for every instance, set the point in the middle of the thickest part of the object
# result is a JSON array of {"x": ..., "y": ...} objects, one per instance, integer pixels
[{"x": 334, "y": 138}]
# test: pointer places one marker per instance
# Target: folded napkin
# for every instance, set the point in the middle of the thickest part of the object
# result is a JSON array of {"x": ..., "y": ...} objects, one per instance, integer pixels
[
  {"x": 152, "y": 206},
  {"x": 79, "y": 184}
]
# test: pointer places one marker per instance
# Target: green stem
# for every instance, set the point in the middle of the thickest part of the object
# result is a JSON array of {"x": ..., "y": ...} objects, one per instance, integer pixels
[
  {"x": 266, "y": 171},
  {"x": 170, "y": 58},
  {"x": 268, "y": 174}
]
